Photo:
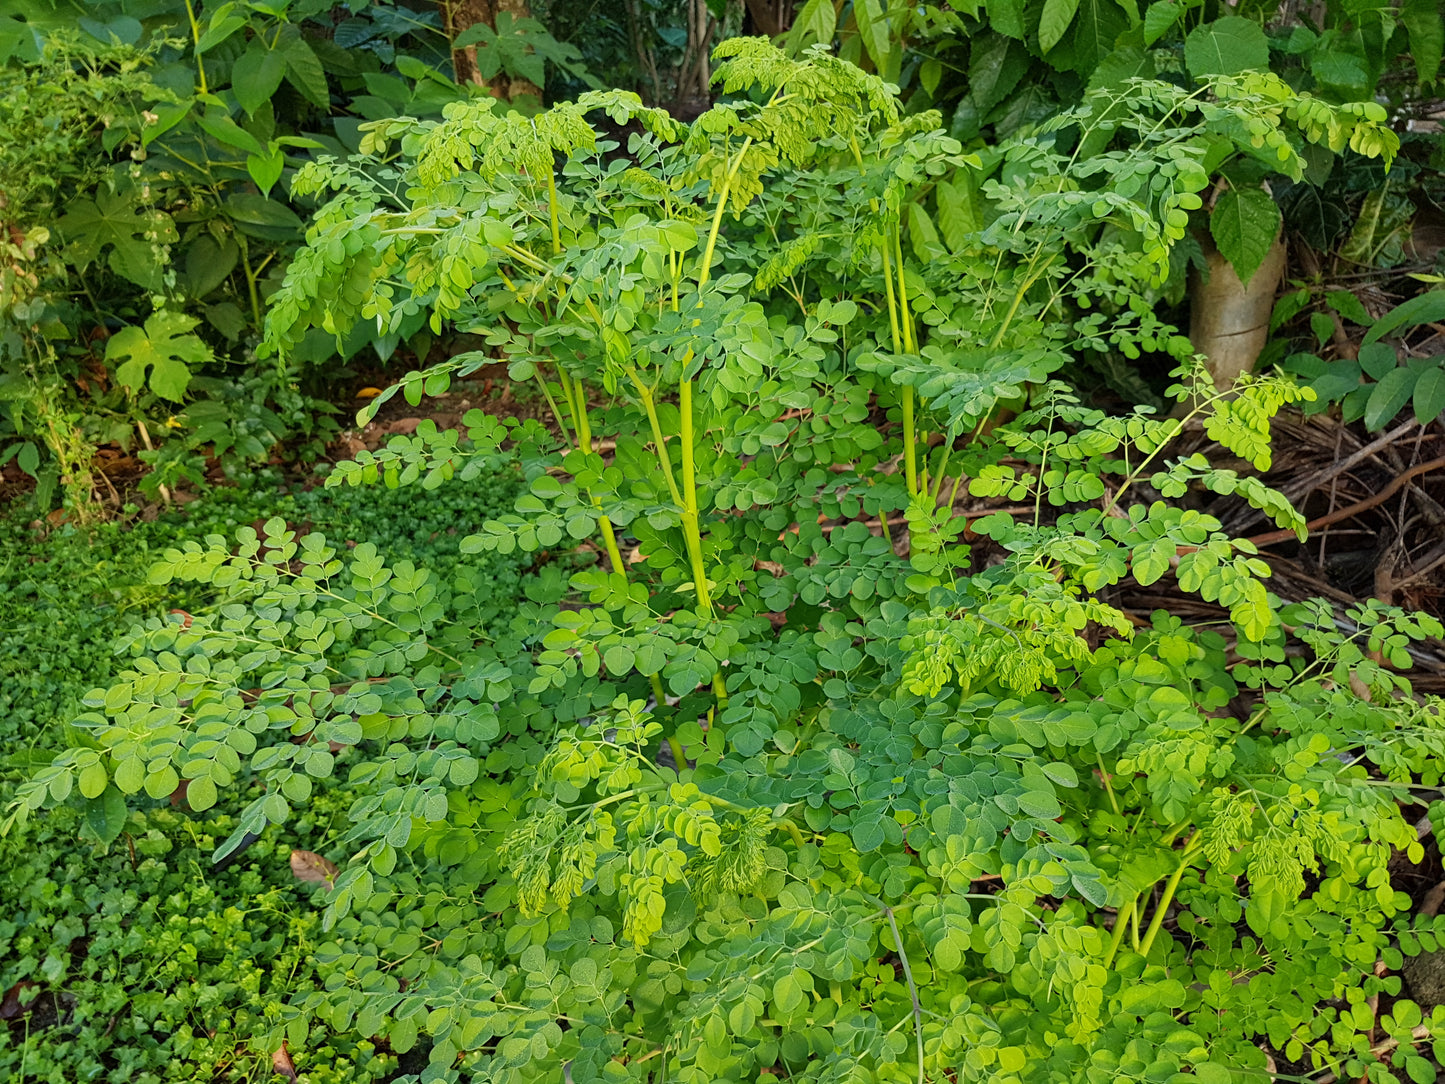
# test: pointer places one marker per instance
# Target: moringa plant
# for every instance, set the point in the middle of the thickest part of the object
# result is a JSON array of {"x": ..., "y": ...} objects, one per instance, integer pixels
[{"x": 779, "y": 780}]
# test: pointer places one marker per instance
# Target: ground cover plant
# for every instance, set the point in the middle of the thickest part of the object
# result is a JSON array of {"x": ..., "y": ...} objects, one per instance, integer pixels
[
  {"x": 802, "y": 771},
  {"x": 141, "y": 961}
]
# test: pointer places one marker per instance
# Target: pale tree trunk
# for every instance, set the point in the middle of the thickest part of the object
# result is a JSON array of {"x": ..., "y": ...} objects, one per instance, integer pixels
[
  {"x": 1228, "y": 321},
  {"x": 457, "y": 15}
]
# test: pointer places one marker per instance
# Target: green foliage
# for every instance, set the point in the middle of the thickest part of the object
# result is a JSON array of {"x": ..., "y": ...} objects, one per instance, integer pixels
[
  {"x": 134, "y": 959},
  {"x": 764, "y": 796},
  {"x": 1003, "y": 68},
  {"x": 1381, "y": 382},
  {"x": 148, "y": 168},
  {"x": 130, "y": 965}
]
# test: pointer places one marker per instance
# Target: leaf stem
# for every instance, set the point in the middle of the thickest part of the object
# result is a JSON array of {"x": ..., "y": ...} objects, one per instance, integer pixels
[{"x": 912, "y": 989}]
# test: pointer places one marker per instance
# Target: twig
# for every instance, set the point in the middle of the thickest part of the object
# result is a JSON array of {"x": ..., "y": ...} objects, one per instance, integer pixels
[{"x": 1271, "y": 537}]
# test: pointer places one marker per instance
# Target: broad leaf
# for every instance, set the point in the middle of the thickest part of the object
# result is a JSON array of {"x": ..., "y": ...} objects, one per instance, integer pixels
[
  {"x": 1430, "y": 393},
  {"x": 1244, "y": 224},
  {"x": 105, "y": 815},
  {"x": 1427, "y": 308},
  {"x": 134, "y": 234},
  {"x": 996, "y": 64},
  {"x": 1388, "y": 398},
  {"x": 1055, "y": 19},
  {"x": 257, "y": 74},
  {"x": 1426, "y": 30},
  {"x": 266, "y": 169},
  {"x": 873, "y": 29},
  {"x": 815, "y": 24},
  {"x": 304, "y": 71},
  {"x": 1378, "y": 359},
  {"x": 164, "y": 349},
  {"x": 1158, "y": 20},
  {"x": 958, "y": 211},
  {"x": 1007, "y": 17},
  {"x": 1226, "y": 46}
]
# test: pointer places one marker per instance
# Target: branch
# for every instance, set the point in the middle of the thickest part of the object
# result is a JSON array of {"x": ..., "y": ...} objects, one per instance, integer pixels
[{"x": 1271, "y": 537}]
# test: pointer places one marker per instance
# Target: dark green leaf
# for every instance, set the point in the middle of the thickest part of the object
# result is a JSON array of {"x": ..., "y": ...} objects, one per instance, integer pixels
[
  {"x": 1430, "y": 393},
  {"x": 1244, "y": 225},
  {"x": 256, "y": 75},
  {"x": 1388, "y": 398},
  {"x": 1425, "y": 309}
]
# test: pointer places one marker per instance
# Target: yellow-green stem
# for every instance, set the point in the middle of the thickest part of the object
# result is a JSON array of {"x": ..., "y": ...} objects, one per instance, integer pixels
[
  {"x": 679, "y": 755},
  {"x": 910, "y": 450},
  {"x": 552, "y": 212},
  {"x": 1017, "y": 301},
  {"x": 1121, "y": 923},
  {"x": 649, "y": 404},
  {"x": 1108, "y": 784},
  {"x": 690, "y": 528},
  {"x": 704, "y": 267},
  {"x": 196, "y": 40},
  {"x": 910, "y": 465},
  {"x": 1168, "y": 897},
  {"x": 578, "y": 400}
]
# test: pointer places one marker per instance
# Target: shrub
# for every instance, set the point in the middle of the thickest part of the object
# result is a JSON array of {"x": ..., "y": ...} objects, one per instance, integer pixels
[{"x": 750, "y": 792}]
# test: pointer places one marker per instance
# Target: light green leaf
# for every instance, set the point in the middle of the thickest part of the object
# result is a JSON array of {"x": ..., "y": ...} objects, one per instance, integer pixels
[
  {"x": 266, "y": 169},
  {"x": 162, "y": 782},
  {"x": 922, "y": 234},
  {"x": 130, "y": 775},
  {"x": 958, "y": 216},
  {"x": 1244, "y": 224},
  {"x": 816, "y": 23},
  {"x": 93, "y": 780},
  {"x": 164, "y": 348},
  {"x": 1055, "y": 19},
  {"x": 1226, "y": 46},
  {"x": 223, "y": 24},
  {"x": 201, "y": 793}
]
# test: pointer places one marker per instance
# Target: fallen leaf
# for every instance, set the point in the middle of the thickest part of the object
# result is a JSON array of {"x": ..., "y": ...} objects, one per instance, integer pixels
[
  {"x": 1359, "y": 687},
  {"x": 10, "y": 1007},
  {"x": 311, "y": 867},
  {"x": 281, "y": 1061}
]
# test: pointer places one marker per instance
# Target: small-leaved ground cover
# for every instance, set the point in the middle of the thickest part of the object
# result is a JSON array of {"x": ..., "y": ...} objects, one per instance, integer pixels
[{"x": 140, "y": 960}]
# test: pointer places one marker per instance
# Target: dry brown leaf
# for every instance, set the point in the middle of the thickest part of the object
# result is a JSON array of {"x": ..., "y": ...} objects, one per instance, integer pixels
[
  {"x": 311, "y": 867},
  {"x": 1358, "y": 685},
  {"x": 281, "y": 1061}
]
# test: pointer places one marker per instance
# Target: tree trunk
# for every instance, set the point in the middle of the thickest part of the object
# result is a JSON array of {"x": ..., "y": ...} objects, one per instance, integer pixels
[
  {"x": 770, "y": 17},
  {"x": 457, "y": 15},
  {"x": 1229, "y": 322}
]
